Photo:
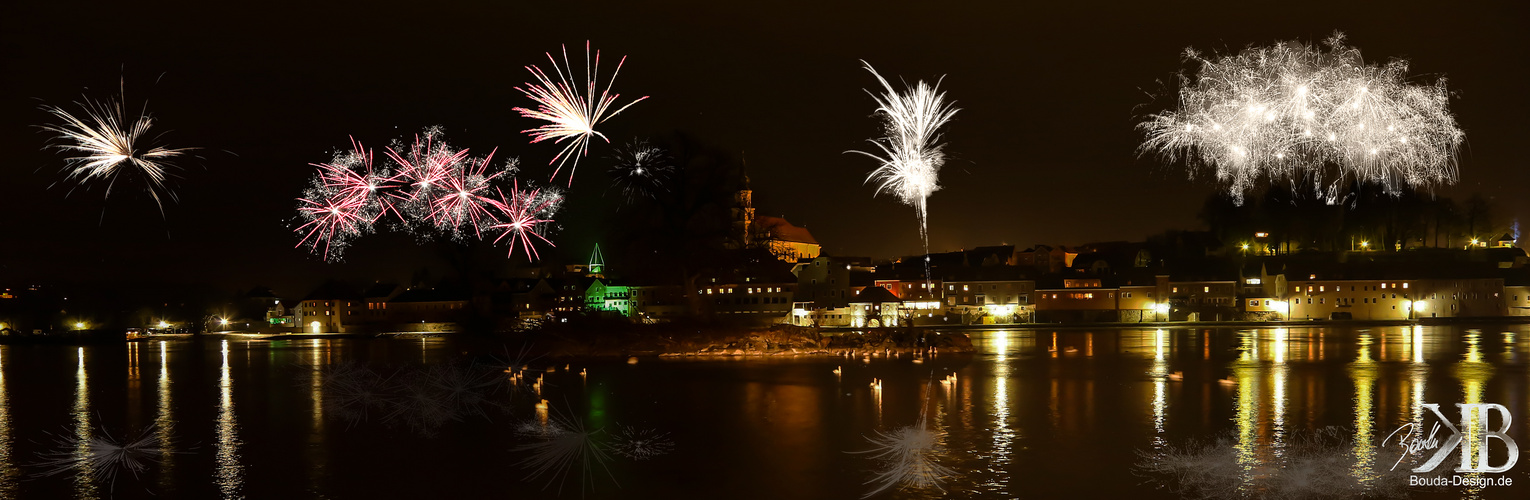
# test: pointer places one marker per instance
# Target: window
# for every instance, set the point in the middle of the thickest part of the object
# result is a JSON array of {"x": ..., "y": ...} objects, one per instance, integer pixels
[
  {"x": 1176, "y": 289},
  {"x": 1405, "y": 285},
  {"x": 1252, "y": 303},
  {"x": 1206, "y": 289},
  {"x": 1321, "y": 288}
]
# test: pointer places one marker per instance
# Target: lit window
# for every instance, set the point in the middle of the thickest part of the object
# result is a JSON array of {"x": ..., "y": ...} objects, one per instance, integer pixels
[
  {"x": 1322, "y": 288},
  {"x": 1405, "y": 285},
  {"x": 964, "y": 288},
  {"x": 1206, "y": 289}
]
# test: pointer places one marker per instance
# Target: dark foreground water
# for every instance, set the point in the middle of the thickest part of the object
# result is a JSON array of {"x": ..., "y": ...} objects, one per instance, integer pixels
[{"x": 1036, "y": 414}]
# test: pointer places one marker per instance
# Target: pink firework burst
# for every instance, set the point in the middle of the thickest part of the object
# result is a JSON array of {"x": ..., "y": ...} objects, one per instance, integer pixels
[
  {"x": 428, "y": 163},
  {"x": 460, "y": 202},
  {"x": 571, "y": 111},
  {"x": 523, "y": 215},
  {"x": 333, "y": 220},
  {"x": 350, "y": 175}
]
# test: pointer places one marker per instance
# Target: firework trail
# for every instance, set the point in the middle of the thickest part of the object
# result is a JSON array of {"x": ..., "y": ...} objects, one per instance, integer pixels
[
  {"x": 105, "y": 145},
  {"x": 641, "y": 170},
  {"x": 570, "y": 110},
  {"x": 525, "y": 214},
  {"x": 911, "y": 153},
  {"x": 1294, "y": 112}
]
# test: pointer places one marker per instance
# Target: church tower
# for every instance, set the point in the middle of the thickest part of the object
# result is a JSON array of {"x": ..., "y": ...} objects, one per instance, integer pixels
[{"x": 742, "y": 216}]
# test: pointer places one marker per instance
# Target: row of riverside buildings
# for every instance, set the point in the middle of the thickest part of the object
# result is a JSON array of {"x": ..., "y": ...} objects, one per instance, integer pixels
[{"x": 1122, "y": 282}]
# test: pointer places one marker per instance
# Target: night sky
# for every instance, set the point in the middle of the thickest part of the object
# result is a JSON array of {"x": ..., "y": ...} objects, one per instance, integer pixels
[{"x": 1043, "y": 151}]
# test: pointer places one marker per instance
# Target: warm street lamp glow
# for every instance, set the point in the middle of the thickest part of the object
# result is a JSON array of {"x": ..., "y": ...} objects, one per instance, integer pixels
[
  {"x": 1161, "y": 307},
  {"x": 1417, "y": 305},
  {"x": 225, "y": 321},
  {"x": 315, "y": 326},
  {"x": 80, "y": 326},
  {"x": 1365, "y": 244},
  {"x": 163, "y": 324},
  {"x": 1245, "y": 246}
]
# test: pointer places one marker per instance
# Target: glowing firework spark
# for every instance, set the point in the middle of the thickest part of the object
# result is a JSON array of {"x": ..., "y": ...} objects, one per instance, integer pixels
[
  {"x": 343, "y": 201},
  {"x": 571, "y": 112},
  {"x": 525, "y": 216},
  {"x": 1294, "y": 112},
  {"x": 911, "y": 151},
  {"x": 641, "y": 170},
  {"x": 461, "y": 202},
  {"x": 332, "y": 219},
  {"x": 434, "y": 190},
  {"x": 104, "y": 456},
  {"x": 111, "y": 147}
]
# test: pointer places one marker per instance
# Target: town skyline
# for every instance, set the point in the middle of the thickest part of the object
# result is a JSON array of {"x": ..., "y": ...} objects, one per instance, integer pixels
[{"x": 1032, "y": 160}]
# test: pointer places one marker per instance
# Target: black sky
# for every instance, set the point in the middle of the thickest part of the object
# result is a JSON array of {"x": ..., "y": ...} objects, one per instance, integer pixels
[{"x": 1043, "y": 151}]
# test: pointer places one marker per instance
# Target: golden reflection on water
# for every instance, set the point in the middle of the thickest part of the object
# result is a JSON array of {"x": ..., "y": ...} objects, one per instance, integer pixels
[
  {"x": 1160, "y": 386},
  {"x": 8, "y": 470},
  {"x": 1473, "y": 373},
  {"x": 84, "y": 487},
  {"x": 1245, "y": 373},
  {"x": 1363, "y": 370},
  {"x": 163, "y": 422},
  {"x": 230, "y": 474},
  {"x": 1278, "y": 346},
  {"x": 1003, "y": 434}
]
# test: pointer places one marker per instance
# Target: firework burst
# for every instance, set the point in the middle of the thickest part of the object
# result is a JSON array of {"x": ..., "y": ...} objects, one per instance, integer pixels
[
  {"x": 560, "y": 444},
  {"x": 430, "y": 188},
  {"x": 641, "y": 444},
  {"x": 104, "y": 457},
  {"x": 462, "y": 202},
  {"x": 106, "y": 145},
  {"x": 911, "y": 153},
  {"x": 571, "y": 110},
  {"x": 641, "y": 170},
  {"x": 1297, "y": 113},
  {"x": 343, "y": 201},
  {"x": 908, "y": 456},
  {"x": 525, "y": 214}
]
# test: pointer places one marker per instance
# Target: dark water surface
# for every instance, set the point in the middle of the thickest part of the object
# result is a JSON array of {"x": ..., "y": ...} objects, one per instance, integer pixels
[{"x": 1036, "y": 414}]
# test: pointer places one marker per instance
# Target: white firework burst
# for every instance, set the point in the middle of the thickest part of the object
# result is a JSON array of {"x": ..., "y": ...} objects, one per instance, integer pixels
[
  {"x": 911, "y": 153},
  {"x": 1315, "y": 118},
  {"x": 106, "y": 145}
]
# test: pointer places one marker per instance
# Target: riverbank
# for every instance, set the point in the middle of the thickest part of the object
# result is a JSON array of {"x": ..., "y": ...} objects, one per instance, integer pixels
[{"x": 1490, "y": 320}]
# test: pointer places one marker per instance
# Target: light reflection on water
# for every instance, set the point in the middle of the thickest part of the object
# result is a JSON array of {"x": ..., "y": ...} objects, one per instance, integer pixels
[
  {"x": 84, "y": 484},
  {"x": 164, "y": 422},
  {"x": 230, "y": 473},
  {"x": 1033, "y": 408},
  {"x": 8, "y": 470}
]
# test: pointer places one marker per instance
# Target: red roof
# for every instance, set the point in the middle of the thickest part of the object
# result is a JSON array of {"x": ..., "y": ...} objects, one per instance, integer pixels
[{"x": 779, "y": 229}]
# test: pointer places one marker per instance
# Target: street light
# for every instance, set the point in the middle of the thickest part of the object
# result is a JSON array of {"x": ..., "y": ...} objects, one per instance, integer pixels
[
  {"x": 79, "y": 326},
  {"x": 1365, "y": 244}
]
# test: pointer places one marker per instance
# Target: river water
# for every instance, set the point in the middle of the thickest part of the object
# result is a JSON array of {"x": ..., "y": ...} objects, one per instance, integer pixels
[{"x": 1036, "y": 413}]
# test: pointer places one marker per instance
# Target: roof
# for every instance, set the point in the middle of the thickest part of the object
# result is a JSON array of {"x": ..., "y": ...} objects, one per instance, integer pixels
[
  {"x": 777, "y": 228},
  {"x": 875, "y": 295},
  {"x": 429, "y": 295},
  {"x": 334, "y": 290}
]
